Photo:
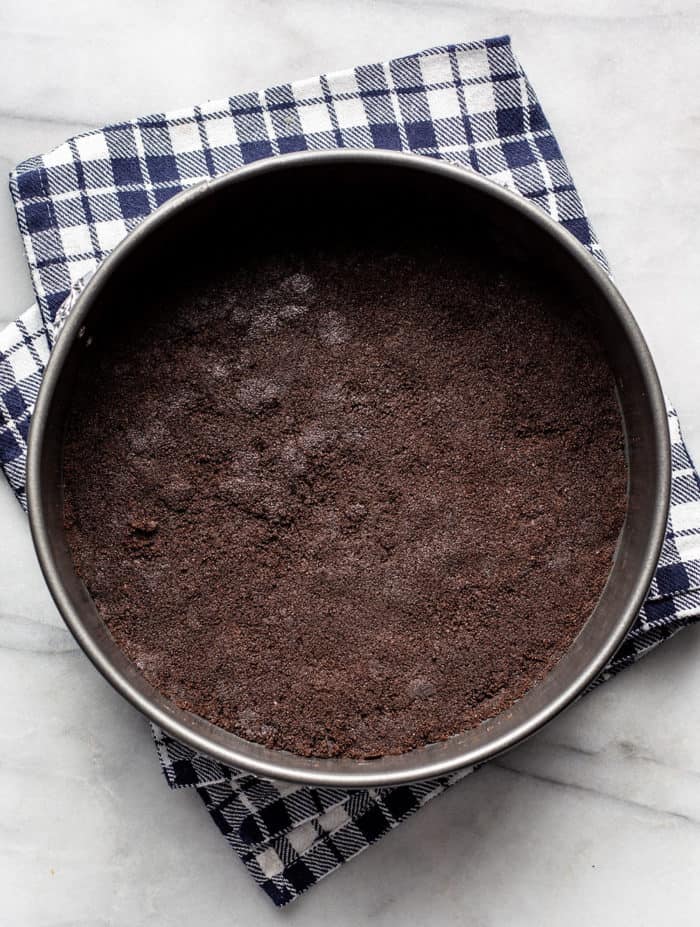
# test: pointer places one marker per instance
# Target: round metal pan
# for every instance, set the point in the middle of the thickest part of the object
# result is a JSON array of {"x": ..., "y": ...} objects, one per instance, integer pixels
[{"x": 290, "y": 197}]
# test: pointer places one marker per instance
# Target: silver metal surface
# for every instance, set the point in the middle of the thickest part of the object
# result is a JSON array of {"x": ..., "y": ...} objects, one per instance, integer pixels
[{"x": 286, "y": 188}]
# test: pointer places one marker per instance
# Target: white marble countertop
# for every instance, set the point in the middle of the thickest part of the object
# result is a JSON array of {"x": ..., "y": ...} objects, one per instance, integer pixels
[{"x": 595, "y": 820}]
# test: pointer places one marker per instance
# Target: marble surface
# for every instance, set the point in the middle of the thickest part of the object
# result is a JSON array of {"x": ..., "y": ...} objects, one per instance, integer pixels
[{"x": 598, "y": 818}]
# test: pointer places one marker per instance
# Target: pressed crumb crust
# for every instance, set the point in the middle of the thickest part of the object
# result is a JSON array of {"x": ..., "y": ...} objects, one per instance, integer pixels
[{"x": 346, "y": 503}]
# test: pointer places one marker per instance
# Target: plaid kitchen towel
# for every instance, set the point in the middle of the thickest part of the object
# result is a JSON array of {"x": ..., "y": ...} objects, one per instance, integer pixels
[{"x": 468, "y": 103}]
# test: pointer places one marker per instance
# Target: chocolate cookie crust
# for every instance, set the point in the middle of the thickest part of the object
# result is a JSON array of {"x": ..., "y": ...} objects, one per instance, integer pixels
[{"x": 346, "y": 502}]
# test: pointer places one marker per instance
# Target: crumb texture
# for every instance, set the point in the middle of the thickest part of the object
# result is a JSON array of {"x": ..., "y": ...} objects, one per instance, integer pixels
[{"x": 346, "y": 503}]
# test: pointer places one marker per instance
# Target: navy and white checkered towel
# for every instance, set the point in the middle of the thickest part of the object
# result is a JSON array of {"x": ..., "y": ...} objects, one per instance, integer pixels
[{"x": 469, "y": 103}]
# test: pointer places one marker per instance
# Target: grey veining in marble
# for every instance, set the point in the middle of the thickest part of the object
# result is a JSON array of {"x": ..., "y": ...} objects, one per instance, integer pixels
[{"x": 596, "y": 820}]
